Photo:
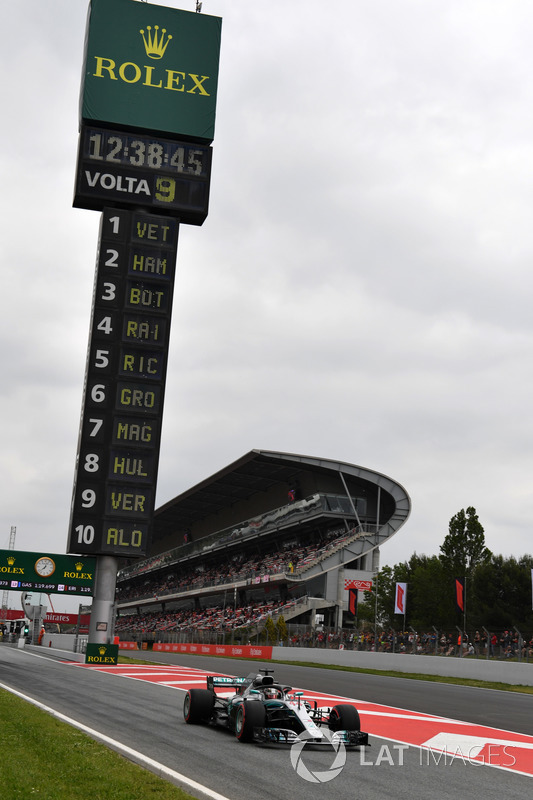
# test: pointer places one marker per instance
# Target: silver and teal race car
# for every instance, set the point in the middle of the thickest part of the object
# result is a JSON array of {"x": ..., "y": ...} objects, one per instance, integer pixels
[{"x": 261, "y": 710}]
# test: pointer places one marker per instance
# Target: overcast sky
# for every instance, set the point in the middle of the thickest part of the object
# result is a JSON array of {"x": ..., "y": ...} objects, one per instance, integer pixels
[{"x": 361, "y": 289}]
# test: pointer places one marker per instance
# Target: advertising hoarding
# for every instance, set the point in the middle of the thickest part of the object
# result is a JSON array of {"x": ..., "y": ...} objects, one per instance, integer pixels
[
  {"x": 51, "y": 573},
  {"x": 151, "y": 68}
]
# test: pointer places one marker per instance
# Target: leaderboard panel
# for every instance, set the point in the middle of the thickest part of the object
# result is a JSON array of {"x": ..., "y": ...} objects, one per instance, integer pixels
[{"x": 120, "y": 432}]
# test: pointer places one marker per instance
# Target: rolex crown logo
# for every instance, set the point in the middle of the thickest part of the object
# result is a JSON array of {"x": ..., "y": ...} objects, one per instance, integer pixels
[
  {"x": 155, "y": 44},
  {"x": 10, "y": 560},
  {"x": 79, "y": 566},
  {"x": 102, "y": 650}
]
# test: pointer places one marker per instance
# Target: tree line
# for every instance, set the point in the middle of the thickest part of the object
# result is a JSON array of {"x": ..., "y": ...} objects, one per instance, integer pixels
[{"x": 498, "y": 590}]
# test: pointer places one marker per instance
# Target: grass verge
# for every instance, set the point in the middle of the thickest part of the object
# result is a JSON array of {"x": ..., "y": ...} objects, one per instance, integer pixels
[{"x": 45, "y": 758}]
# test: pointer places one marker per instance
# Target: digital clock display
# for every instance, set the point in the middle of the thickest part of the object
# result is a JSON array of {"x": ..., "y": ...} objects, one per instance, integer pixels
[
  {"x": 118, "y": 169},
  {"x": 146, "y": 152}
]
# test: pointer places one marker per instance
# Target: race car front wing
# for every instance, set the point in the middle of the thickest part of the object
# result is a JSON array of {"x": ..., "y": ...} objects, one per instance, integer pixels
[{"x": 284, "y": 736}]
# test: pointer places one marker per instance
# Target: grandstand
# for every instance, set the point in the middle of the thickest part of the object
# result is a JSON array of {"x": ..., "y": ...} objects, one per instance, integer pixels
[{"x": 272, "y": 533}]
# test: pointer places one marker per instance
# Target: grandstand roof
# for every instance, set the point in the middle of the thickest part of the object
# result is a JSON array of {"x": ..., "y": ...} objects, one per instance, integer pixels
[{"x": 258, "y": 471}]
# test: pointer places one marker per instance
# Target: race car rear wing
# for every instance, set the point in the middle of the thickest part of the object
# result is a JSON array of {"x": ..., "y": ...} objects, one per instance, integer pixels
[{"x": 219, "y": 681}]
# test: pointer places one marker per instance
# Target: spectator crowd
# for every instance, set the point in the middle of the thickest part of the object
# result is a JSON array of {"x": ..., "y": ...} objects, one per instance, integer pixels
[
  {"x": 184, "y": 577},
  {"x": 212, "y": 618}
]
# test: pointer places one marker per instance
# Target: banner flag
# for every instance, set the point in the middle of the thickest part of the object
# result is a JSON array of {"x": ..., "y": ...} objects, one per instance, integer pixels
[
  {"x": 400, "y": 598},
  {"x": 460, "y": 594},
  {"x": 352, "y": 601}
]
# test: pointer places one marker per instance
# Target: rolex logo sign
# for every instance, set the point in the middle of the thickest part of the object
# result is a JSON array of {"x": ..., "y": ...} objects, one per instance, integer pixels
[
  {"x": 152, "y": 68},
  {"x": 155, "y": 45},
  {"x": 101, "y": 654}
]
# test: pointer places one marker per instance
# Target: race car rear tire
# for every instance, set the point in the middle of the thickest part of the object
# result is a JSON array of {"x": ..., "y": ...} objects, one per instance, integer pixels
[
  {"x": 198, "y": 706},
  {"x": 344, "y": 718},
  {"x": 249, "y": 716}
]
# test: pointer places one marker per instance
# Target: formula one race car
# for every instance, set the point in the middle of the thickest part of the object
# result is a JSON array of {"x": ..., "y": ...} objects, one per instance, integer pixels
[{"x": 263, "y": 711}]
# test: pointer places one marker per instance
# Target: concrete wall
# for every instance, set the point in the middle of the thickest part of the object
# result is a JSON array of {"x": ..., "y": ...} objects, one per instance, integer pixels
[
  {"x": 520, "y": 674},
  {"x": 63, "y": 641}
]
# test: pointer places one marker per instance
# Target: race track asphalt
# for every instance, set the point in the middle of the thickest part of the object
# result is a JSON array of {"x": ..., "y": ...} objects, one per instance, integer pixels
[{"x": 147, "y": 718}]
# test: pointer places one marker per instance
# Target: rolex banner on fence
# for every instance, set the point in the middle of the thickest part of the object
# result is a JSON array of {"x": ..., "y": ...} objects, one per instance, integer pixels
[{"x": 400, "y": 598}]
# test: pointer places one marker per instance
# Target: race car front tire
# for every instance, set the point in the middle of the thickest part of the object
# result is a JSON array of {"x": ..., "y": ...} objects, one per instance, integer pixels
[
  {"x": 344, "y": 718},
  {"x": 249, "y": 716},
  {"x": 198, "y": 706}
]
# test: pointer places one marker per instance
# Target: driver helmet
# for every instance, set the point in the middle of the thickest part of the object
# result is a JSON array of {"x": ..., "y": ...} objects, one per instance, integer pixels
[{"x": 271, "y": 694}]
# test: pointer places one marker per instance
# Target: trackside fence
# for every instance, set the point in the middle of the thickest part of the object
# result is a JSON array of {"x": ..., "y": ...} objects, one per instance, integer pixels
[{"x": 499, "y": 645}]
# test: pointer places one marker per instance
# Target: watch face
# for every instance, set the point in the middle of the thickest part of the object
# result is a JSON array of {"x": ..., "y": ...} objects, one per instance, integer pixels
[{"x": 44, "y": 566}]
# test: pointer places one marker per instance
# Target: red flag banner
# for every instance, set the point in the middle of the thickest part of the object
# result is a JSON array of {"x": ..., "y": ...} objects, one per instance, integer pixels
[
  {"x": 400, "y": 598},
  {"x": 460, "y": 594},
  {"x": 352, "y": 601}
]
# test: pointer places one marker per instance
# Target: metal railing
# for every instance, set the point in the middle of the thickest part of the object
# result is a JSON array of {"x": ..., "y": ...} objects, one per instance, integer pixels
[{"x": 498, "y": 645}]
